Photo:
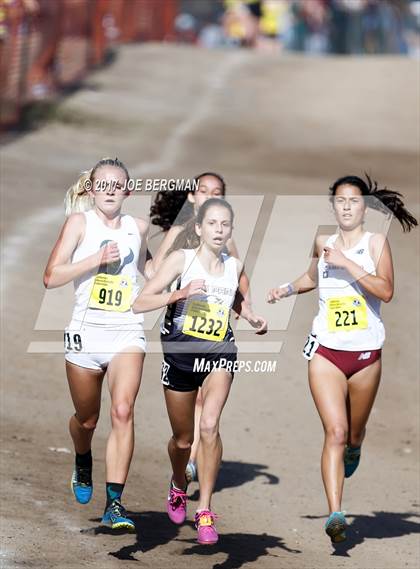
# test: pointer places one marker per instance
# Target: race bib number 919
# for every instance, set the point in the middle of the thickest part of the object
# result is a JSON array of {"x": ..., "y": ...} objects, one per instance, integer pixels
[
  {"x": 206, "y": 321},
  {"x": 111, "y": 292},
  {"x": 347, "y": 313}
]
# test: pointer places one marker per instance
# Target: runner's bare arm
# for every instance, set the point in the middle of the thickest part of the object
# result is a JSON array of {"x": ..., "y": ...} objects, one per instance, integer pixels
[
  {"x": 244, "y": 286},
  {"x": 152, "y": 297},
  {"x": 246, "y": 312},
  {"x": 380, "y": 285},
  {"x": 163, "y": 249},
  {"x": 59, "y": 270},
  {"x": 232, "y": 249},
  {"x": 242, "y": 297},
  {"x": 245, "y": 292},
  {"x": 242, "y": 306},
  {"x": 145, "y": 255}
]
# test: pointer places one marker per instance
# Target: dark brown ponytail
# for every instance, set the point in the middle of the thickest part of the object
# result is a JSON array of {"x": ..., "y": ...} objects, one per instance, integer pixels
[{"x": 172, "y": 207}]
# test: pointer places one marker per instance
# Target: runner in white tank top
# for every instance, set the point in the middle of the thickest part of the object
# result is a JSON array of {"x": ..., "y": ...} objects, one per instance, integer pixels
[
  {"x": 338, "y": 289},
  {"x": 100, "y": 250},
  {"x": 113, "y": 306},
  {"x": 197, "y": 331},
  {"x": 188, "y": 334},
  {"x": 354, "y": 273},
  {"x": 174, "y": 212}
]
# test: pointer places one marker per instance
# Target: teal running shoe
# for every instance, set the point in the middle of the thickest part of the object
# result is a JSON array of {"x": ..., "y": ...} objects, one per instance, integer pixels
[
  {"x": 116, "y": 517},
  {"x": 81, "y": 484},
  {"x": 351, "y": 460},
  {"x": 335, "y": 527}
]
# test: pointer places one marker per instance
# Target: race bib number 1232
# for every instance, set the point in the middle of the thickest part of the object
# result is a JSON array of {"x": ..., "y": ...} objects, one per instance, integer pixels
[{"x": 206, "y": 321}]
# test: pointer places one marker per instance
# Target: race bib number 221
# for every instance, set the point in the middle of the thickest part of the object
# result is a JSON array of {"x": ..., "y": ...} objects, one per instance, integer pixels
[{"x": 346, "y": 313}]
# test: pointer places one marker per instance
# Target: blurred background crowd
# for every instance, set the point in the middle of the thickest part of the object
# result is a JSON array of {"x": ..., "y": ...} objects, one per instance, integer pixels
[
  {"x": 310, "y": 26},
  {"x": 47, "y": 46}
]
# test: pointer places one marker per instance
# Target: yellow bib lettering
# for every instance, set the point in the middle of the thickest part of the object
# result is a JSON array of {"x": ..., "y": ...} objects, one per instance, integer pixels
[
  {"x": 111, "y": 292},
  {"x": 347, "y": 313},
  {"x": 206, "y": 321}
]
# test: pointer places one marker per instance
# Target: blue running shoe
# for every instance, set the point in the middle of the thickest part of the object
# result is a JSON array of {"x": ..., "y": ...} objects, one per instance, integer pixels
[
  {"x": 116, "y": 517},
  {"x": 81, "y": 484},
  {"x": 335, "y": 527},
  {"x": 351, "y": 460}
]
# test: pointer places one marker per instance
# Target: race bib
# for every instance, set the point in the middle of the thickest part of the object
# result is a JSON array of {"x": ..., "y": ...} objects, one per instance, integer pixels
[
  {"x": 111, "y": 292},
  {"x": 347, "y": 313},
  {"x": 72, "y": 342},
  {"x": 206, "y": 321}
]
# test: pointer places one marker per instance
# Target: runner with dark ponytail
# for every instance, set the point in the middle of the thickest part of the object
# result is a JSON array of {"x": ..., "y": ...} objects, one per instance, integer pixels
[
  {"x": 386, "y": 200},
  {"x": 353, "y": 272}
]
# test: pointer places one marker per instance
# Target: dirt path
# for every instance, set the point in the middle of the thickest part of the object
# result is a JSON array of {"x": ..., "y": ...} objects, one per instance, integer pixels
[{"x": 273, "y": 127}]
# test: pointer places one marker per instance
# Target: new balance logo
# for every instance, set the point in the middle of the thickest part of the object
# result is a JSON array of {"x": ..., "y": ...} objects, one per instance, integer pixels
[
  {"x": 360, "y": 252},
  {"x": 364, "y": 356}
]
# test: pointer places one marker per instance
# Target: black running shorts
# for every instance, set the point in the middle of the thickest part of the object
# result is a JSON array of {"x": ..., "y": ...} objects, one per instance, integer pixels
[{"x": 176, "y": 379}]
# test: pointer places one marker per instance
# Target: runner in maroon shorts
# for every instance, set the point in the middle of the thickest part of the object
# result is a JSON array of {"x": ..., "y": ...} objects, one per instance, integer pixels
[{"x": 353, "y": 270}]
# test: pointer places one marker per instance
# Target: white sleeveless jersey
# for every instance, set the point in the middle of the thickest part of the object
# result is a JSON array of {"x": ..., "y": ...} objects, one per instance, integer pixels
[
  {"x": 221, "y": 290},
  {"x": 125, "y": 271},
  {"x": 349, "y": 317}
]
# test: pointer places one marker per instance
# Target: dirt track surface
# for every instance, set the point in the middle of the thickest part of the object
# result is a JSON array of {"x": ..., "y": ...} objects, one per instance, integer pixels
[{"x": 272, "y": 126}]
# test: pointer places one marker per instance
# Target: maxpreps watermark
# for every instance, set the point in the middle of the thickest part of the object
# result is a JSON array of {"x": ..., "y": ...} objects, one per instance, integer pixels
[
  {"x": 202, "y": 365},
  {"x": 144, "y": 185}
]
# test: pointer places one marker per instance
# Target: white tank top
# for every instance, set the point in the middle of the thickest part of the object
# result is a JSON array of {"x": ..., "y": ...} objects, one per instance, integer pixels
[
  {"x": 114, "y": 286},
  {"x": 349, "y": 317},
  {"x": 221, "y": 290}
]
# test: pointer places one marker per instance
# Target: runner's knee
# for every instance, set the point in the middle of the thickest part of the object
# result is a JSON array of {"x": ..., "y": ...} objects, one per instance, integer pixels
[
  {"x": 122, "y": 412},
  {"x": 336, "y": 435},
  {"x": 183, "y": 441},
  {"x": 209, "y": 427},
  {"x": 87, "y": 423}
]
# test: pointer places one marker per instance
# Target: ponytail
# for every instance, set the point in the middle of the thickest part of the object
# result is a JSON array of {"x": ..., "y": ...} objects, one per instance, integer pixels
[
  {"x": 187, "y": 239},
  {"x": 173, "y": 208},
  {"x": 393, "y": 202},
  {"x": 386, "y": 200},
  {"x": 77, "y": 197}
]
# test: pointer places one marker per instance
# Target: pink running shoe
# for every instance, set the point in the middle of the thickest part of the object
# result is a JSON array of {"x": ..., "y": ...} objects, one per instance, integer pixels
[
  {"x": 176, "y": 505},
  {"x": 204, "y": 522}
]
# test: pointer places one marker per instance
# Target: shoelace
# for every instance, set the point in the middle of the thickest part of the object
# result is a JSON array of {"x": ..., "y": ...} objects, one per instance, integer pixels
[
  {"x": 177, "y": 498},
  {"x": 117, "y": 509},
  {"x": 205, "y": 518},
  {"x": 84, "y": 475}
]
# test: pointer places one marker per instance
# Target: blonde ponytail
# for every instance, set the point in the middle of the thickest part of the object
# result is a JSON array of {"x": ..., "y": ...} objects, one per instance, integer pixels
[{"x": 77, "y": 197}]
